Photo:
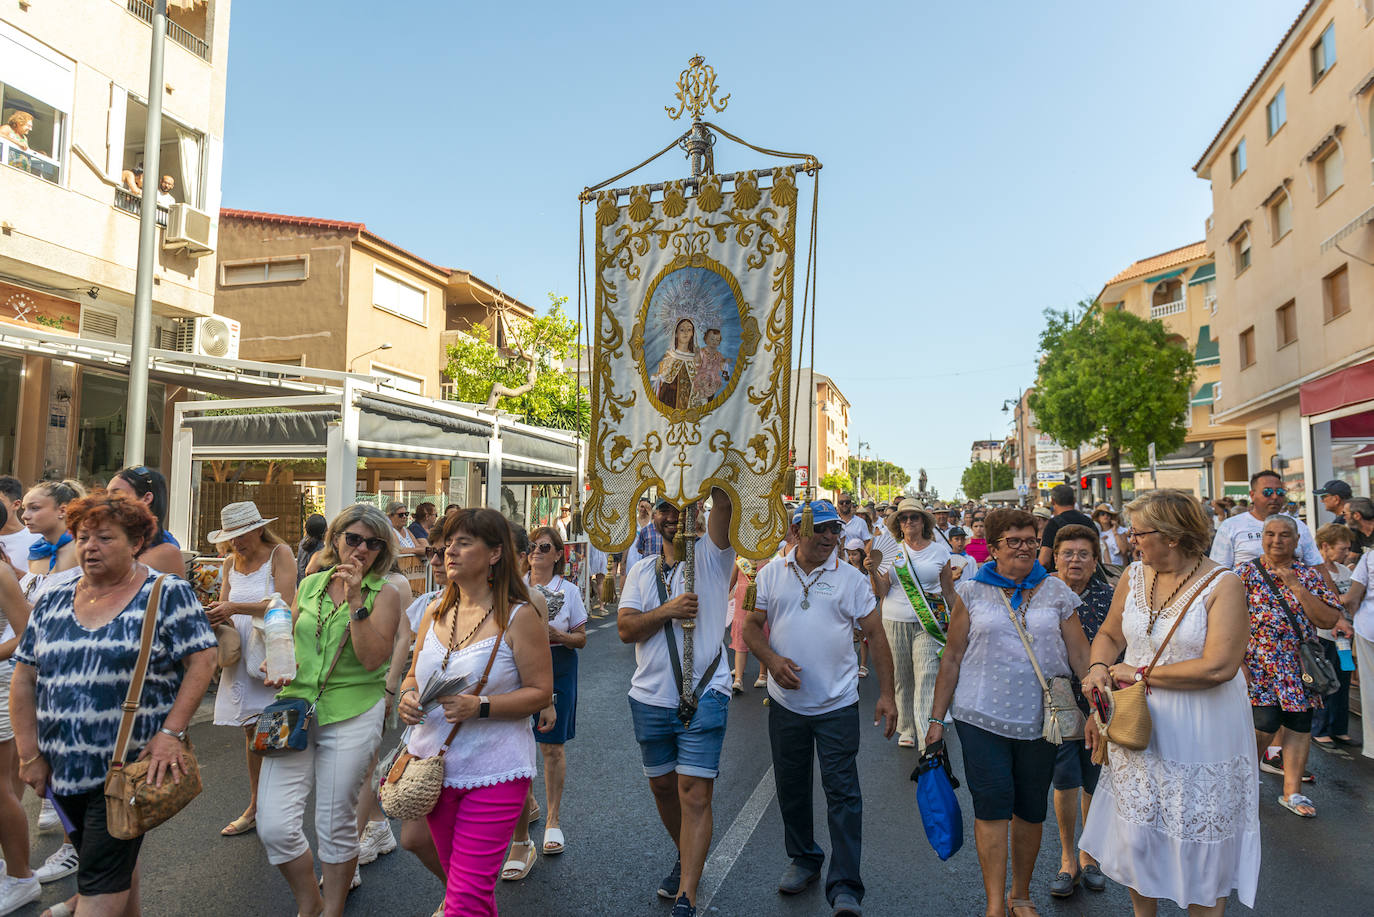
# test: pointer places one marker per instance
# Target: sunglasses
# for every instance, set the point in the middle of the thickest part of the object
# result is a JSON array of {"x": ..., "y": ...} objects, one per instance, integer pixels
[
  {"x": 353, "y": 539},
  {"x": 434, "y": 552},
  {"x": 846, "y": 503},
  {"x": 1274, "y": 492},
  {"x": 542, "y": 548},
  {"x": 400, "y": 512},
  {"x": 828, "y": 528}
]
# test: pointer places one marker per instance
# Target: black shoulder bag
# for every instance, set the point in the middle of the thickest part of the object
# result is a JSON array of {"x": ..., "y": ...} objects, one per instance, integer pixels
[
  {"x": 1318, "y": 675},
  {"x": 687, "y": 704}
]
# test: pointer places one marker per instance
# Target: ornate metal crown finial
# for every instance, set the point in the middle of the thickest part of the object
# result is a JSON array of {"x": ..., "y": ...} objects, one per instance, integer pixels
[{"x": 696, "y": 91}]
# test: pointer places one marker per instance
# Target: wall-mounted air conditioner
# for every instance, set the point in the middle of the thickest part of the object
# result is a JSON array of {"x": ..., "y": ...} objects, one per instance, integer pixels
[
  {"x": 209, "y": 336},
  {"x": 188, "y": 230}
]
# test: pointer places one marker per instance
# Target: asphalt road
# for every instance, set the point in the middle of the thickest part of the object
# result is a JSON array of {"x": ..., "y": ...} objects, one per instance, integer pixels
[{"x": 618, "y": 851}]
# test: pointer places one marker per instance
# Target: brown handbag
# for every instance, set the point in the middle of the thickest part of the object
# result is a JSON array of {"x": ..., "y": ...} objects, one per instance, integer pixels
[{"x": 132, "y": 804}]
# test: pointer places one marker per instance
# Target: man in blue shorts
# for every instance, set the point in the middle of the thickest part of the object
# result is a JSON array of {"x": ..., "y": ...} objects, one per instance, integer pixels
[{"x": 681, "y": 759}]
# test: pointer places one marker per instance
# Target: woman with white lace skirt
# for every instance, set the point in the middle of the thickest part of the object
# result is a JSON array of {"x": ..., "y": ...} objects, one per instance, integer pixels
[{"x": 1179, "y": 819}]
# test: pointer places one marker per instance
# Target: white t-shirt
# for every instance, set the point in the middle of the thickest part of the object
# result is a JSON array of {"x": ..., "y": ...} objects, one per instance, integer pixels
[
  {"x": 1342, "y": 577},
  {"x": 1110, "y": 552},
  {"x": 417, "y": 609},
  {"x": 566, "y": 611},
  {"x": 1364, "y": 615},
  {"x": 856, "y": 527},
  {"x": 653, "y": 681},
  {"x": 926, "y": 563},
  {"x": 16, "y": 547},
  {"x": 1238, "y": 542},
  {"x": 819, "y": 638}
]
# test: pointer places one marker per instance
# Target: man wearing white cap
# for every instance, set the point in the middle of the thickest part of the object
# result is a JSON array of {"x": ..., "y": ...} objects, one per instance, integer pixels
[{"x": 812, "y": 602}]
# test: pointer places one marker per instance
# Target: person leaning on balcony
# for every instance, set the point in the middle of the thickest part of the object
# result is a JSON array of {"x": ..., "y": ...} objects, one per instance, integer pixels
[
  {"x": 16, "y": 129},
  {"x": 132, "y": 180},
  {"x": 164, "y": 191}
]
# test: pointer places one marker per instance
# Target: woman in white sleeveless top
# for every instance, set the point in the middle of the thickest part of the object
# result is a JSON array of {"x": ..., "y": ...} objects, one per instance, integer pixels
[
  {"x": 1180, "y": 819},
  {"x": 257, "y": 565}
]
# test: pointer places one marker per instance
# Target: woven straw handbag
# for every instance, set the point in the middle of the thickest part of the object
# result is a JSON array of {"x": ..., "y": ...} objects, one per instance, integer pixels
[{"x": 411, "y": 784}]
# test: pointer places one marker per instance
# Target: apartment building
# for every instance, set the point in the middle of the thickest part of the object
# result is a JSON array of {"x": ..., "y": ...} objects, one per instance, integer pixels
[
  {"x": 72, "y": 97},
  {"x": 1178, "y": 288},
  {"x": 1293, "y": 203},
  {"x": 985, "y": 450},
  {"x": 822, "y": 433}
]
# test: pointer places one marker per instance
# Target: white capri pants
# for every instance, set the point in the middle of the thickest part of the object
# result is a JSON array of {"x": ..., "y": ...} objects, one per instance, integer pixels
[
  {"x": 334, "y": 765},
  {"x": 6, "y": 673}
]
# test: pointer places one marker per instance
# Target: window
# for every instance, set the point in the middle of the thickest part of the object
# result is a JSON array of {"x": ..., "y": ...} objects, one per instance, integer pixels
[
  {"x": 264, "y": 270},
  {"x": 1330, "y": 172},
  {"x": 398, "y": 380},
  {"x": 1281, "y": 216},
  {"x": 1247, "y": 347},
  {"x": 36, "y": 89},
  {"x": 180, "y": 157},
  {"x": 1277, "y": 111},
  {"x": 1241, "y": 248},
  {"x": 1336, "y": 293},
  {"x": 1286, "y": 324},
  {"x": 1238, "y": 160},
  {"x": 1324, "y": 53},
  {"x": 394, "y": 295}
]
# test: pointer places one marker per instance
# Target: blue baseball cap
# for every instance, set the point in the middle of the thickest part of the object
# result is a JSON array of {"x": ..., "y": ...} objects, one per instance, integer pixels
[{"x": 821, "y": 511}]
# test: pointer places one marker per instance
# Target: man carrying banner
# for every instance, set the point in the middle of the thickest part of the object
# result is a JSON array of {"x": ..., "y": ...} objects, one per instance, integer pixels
[
  {"x": 811, "y": 602},
  {"x": 680, "y": 736}
]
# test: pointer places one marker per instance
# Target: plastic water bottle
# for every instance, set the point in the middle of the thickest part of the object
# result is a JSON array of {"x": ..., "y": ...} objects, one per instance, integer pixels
[
  {"x": 1343, "y": 651},
  {"x": 281, "y": 641}
]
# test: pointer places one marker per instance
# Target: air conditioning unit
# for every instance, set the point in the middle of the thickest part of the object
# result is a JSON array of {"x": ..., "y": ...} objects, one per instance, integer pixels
[
  {"x": 188, "y": 230},
  {"x": 209, "y": 336}
]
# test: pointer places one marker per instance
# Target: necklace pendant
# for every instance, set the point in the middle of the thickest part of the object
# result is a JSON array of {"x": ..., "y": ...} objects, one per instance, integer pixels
[{"x": 805, "y": 603}]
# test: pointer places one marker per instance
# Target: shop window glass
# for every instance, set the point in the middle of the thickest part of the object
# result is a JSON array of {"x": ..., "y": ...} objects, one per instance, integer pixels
[
  {"x": 11, "y": 377},
  {"x": 101, "y": 425}
]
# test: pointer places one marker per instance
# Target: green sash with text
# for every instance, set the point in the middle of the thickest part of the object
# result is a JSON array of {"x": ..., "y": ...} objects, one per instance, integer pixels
[{"x": 917, "y": 596}]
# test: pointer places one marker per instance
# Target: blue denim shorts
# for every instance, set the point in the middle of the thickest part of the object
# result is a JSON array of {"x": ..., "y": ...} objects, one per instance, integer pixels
[{"x": 666, "y": 745}]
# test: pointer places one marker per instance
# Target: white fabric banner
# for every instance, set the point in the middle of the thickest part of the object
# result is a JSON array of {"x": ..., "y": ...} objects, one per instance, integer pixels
[{"x": 693, "y": 341}]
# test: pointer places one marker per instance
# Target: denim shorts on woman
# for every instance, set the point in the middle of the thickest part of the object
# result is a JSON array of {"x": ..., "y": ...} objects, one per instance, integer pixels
[
  {"x": 1005, "y": 776},
  {"x": 666, "y": 745}
]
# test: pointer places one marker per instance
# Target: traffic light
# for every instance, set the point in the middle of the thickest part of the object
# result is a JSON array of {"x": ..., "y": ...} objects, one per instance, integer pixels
[
  {"x": 1109, "y": 482},
  {"x": 1083, "y": 483}
]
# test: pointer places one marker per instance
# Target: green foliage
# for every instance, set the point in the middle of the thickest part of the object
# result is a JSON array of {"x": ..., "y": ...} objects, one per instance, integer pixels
[
  {"x": 475, "y": 365},
  {"x": 976, "y": 477},
  {"x": 837, "y": 481},
  {"x": 48, "y": 321}
]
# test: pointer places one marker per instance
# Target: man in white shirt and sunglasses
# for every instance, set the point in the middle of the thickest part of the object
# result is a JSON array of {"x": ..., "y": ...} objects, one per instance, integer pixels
[{"x": 1238, "y": 539}]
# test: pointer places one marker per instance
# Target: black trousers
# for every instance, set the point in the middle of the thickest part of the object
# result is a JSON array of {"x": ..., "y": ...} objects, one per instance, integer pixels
[{"x": 833, "y": 740}]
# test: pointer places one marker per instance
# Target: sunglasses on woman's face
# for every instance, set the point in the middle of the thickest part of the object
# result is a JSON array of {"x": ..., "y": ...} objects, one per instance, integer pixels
[
  {"x": 543, "y": 547},
  {"x": 353, "y": 539}
]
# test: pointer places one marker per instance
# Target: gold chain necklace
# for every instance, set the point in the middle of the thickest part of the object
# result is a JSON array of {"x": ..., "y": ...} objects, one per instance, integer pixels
[{"x": 112, "y": 590}]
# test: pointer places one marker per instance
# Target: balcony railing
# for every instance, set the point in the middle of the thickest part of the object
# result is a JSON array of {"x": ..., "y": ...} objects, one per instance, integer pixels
[
  {"x": 29, "y": 161},
  {"x": 193, "y": 43},
  {"x": 1169, "y": 308},
  {"x": 132, "y": 204},
  {"x": 1211, "y": 303}
]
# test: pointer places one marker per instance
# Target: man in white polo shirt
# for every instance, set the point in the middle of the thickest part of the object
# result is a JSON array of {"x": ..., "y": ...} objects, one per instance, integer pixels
[
  {"x": 1238, "y": 538},
  {"x": 854, "y": 525},
  {"x": 812, "y": 601},
  {"x": 680, "y": 759}
]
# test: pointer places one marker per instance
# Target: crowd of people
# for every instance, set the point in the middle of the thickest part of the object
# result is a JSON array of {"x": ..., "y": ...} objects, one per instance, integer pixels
[{"x": 1001, "y": 626}]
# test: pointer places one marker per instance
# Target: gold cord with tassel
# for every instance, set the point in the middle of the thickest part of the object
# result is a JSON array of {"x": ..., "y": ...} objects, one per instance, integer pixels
[
  {"x": 807, "y": 529},
  {"x": 751, "y": 594}
]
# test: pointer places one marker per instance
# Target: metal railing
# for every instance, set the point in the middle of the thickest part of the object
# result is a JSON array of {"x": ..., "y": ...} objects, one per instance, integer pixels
[
  {"x": 1169, "y": 308},
  {"x": 29, "y": 161},
  {"x": 193, "y": 43},
  {"x": 132, "y": 204},
  {"x": 1211, "y": 303}
]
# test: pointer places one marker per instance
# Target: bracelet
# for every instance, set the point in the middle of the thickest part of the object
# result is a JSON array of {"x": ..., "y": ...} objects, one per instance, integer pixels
[
  {"x": 1103, "y": 664},
  {"x": 936, "y": 721},
  {"x": 23, "y": 763},
  {"x": 389, "y": 691}
]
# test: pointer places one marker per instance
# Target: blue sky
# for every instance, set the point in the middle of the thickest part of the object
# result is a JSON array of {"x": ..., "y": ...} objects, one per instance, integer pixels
[{"x": 983, "y": 161}]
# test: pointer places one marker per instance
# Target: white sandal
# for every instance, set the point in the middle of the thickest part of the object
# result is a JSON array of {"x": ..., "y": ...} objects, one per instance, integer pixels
[
  {"x": 554, "y": 837},
  {"x": 515, "y": 870},
  {"x": 1291, "y": 803}
]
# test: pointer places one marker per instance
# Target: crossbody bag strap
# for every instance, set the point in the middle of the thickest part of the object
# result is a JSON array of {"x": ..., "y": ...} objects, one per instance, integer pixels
[
  {"x": 145, "y": 652},
  {"x": 476, "y": 689},
  {"x": 1283, "y": 602},
  {"x": 1025, "y": 639},
  {"x": 672, "y": 640},
  {"x": 916, "y": 595},
  {"x": 1216, "y": 572}
]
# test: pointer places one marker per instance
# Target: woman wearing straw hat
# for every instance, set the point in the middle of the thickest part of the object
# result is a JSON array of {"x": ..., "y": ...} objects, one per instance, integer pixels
[{"x": 257, "y": 565}]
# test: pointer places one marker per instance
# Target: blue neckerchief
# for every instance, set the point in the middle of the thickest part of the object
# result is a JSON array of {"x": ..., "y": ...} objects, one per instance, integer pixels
[
  {"x": 988, "y": 574},
  {"x": 44, "y": 548}
]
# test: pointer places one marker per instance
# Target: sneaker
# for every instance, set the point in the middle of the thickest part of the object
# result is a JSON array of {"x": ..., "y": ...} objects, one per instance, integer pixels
[
  {"x": 377, "y": 840},
  {"x": 61, "y": 864},
  {"x": 1273, "y": 764},
  {"x": 669, "y": 886},
  {"x": 683, "y": 908},
  {"x": 357, "y": 879},
  {"x": 47, "y": 816},
  {"x": 15, "y": 893}
]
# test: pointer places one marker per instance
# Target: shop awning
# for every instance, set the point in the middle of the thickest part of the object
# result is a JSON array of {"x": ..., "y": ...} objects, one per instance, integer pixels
[
  {"x": 1203, "y": 274},
  {"x": 1340, "y": 389},
  {"x": 285, "y": 433},
  {"x": 1208, "y": 351},
  {"x": 390, "y": 430},
  {"x": 1204, "y": 395},
  {"x": 1167, "y": 276}
]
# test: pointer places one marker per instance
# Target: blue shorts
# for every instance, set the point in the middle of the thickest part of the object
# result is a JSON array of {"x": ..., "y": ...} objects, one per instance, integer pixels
[
  {"x": 1074, "y": 768},
  {"x": 666, "y": 745}
]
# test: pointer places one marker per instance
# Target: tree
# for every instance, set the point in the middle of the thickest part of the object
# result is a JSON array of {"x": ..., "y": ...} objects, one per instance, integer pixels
[
  {"x": 882, "y": 480},
  {"x": 977, "y": 476},
  {"x": 1113, "y": 379},
  {"x": 528, "y": 377},
  {"x": 836, "y": 482}
]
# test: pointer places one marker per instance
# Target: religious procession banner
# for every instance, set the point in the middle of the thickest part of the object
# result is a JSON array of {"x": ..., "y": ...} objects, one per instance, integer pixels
[{"x": 693, "y": 341}]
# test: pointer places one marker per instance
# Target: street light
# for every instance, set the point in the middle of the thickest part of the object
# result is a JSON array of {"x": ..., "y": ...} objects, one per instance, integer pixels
[
  {"x": 386, "y": 346},
  {"x": 1020, "y": 446}
]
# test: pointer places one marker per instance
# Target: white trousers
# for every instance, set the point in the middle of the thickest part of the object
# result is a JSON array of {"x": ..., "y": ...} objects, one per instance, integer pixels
[
  {"x": 1364, "y": 661},
  {"x": 334, "y": 766}
]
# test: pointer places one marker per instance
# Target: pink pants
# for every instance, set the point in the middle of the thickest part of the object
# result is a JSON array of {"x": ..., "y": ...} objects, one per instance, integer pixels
[{"x": 472, "y": 829}]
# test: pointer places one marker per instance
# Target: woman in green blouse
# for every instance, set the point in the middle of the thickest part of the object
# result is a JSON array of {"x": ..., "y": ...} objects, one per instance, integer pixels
[{"x": 349, "y": 597}]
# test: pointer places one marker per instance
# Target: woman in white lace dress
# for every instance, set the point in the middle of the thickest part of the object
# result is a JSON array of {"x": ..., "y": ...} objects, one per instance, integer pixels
[{"x": 1180, "y": 819}]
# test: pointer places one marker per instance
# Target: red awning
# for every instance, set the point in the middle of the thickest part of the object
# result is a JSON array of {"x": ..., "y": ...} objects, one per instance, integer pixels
[{"x": 1354, "y": 385}]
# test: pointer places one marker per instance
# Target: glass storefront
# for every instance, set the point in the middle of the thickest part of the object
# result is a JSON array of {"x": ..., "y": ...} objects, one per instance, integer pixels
[
  {"x": 11, "y": 377},
  {"x": 101, "y": 426}
]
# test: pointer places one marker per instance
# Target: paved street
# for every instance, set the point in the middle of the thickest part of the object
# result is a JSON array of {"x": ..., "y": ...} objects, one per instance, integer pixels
[{"x": 618, "y": 851}]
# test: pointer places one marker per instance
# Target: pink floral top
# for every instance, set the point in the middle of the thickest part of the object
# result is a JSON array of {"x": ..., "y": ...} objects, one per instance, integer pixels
[{"x": 1272, "y": 656}]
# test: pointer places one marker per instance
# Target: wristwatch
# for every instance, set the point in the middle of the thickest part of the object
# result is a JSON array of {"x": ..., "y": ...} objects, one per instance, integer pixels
[
  {"x": 179, "y": 736},
  {"x": 484, "y": 708},
  {"x": 361, "y": 613},
  {"x": 1140, "y": 674}
]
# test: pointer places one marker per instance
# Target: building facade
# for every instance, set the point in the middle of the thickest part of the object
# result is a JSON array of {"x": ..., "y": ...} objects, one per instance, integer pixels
[
  {"x": 1290, "y": 172},
  {"x": 73, "y": 106},
  {"x": 821, "y": 431}
]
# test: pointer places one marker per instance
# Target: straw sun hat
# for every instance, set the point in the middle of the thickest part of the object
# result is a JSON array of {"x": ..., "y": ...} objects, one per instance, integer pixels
[{"x": 237, "y": 519}]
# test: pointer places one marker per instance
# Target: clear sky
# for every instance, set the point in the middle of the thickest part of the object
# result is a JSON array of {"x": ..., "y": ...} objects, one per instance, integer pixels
[{"x": 983, "y": 161}]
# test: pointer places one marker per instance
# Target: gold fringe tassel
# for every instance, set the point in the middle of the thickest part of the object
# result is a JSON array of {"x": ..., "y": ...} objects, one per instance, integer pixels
[
  {"x": 807, "y": 529},
  {"x": 751, "y": 594}
]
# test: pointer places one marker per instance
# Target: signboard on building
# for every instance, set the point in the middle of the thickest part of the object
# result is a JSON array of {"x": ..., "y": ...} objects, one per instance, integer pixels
[
  {"x": 1049, "y": 455},
  {"x": 1054, "y": 477},
  {"x": 803, "y": 476}
]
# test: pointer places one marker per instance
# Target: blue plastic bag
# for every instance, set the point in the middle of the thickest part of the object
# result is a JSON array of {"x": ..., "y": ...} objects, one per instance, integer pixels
[{"x": 940, "y": 813}]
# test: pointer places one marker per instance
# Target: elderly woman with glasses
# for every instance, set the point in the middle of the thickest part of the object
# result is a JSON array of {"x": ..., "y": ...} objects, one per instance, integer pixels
[
  {"x": 988, "y": 684},
  {"x": 916, "y": 586},
  {"x": 347, "y": 604}
]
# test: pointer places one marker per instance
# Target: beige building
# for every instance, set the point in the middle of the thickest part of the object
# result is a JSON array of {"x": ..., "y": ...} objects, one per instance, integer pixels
[
  {"x": 73, "y": 106},
  {"x": 1178, "y": 288},
  {"x": 1290, "y": 171},
  {"x": 825, "y": 431}
]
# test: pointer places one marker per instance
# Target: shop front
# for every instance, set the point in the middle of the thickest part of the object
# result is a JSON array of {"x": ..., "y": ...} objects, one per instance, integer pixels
[{"x": 1338, "y": 433}]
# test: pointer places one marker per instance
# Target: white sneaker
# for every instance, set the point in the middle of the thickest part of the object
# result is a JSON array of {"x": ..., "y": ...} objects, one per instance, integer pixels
[
  {"x": 61, "y": 864},
  {"x": 47, "y": 816},
  {"x": 15, "y": 893},
  {"x": 357, "y": 879},
  {"x": 377, "y": 840}
]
